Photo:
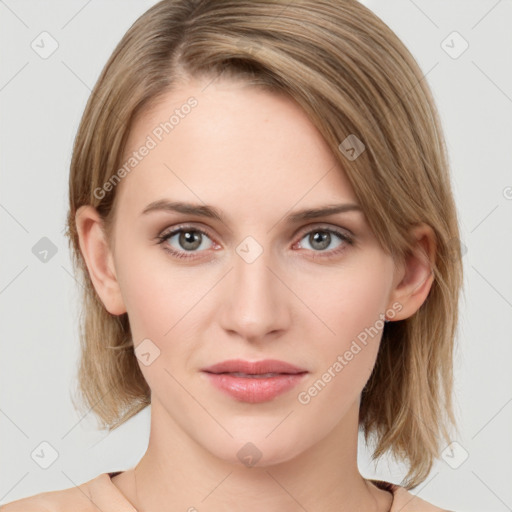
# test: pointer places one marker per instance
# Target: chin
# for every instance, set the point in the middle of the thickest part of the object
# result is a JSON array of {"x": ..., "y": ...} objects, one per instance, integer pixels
[{"x": 256, "y": 450}]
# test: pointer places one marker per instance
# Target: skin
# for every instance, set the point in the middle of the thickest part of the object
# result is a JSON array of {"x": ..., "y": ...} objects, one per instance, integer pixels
[{"x": 256, "y": 157}]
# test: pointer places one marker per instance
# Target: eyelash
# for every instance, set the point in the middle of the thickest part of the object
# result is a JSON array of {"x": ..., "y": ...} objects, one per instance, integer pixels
[{"x": 182, "y": 255}]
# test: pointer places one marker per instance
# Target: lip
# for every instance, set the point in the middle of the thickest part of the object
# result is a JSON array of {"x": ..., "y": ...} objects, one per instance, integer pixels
[
  {"x": 254, "y": 389},
  {"x": 254, "y": 368}
]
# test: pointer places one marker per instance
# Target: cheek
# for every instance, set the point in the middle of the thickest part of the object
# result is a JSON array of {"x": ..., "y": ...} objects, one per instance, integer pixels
[
  {"x": 152, "y": 295},
  {"x": 354, "y": 299},
  {"x": 162, "y": 299},
  {"x": 344, "y": 358},
  {"x": 351, "y": 306}
]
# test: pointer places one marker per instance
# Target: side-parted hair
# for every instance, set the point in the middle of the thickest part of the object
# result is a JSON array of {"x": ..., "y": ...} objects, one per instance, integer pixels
[{"x": 353, "y": 77}]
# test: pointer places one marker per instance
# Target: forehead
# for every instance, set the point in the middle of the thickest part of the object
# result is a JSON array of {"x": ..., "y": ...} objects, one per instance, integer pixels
[{"x": 226, "y": 139}]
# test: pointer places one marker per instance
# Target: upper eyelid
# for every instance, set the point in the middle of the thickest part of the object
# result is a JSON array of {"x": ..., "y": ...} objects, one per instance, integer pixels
[
  {"x": 312, "y": 225},
  {"x": 323, "y": 226}
]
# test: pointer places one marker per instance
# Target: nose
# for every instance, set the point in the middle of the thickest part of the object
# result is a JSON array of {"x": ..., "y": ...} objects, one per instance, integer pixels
[{"x": 256, "y": 301}]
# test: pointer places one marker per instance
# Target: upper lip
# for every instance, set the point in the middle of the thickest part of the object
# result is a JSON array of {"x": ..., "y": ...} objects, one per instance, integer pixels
[{"x": 253, "y": 368}]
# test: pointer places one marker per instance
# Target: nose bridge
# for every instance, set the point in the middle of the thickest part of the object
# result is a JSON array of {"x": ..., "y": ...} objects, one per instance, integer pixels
[
  {"x": 256, "y": 305},
  {"x": 253, "y": 280}
]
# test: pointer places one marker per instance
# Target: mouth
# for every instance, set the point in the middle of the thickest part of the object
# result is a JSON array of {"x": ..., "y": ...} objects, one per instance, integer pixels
[{"x": 256, "y": 382}]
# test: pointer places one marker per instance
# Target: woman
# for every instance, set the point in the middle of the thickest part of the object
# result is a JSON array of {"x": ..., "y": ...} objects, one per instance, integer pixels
[{"x": 261, "y": 210}]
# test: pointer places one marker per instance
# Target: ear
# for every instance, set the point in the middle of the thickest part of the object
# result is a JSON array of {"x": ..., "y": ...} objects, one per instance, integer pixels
[
  {"x": 98, "y": 258},
  {"x": 415, "y": 276}
]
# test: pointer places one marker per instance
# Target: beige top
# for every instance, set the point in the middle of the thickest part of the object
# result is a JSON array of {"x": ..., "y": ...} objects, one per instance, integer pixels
[{"x": 100, "y": 494}]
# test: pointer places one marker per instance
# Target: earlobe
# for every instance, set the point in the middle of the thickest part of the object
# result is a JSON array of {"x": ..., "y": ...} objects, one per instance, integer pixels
[
  {"x": 416, "y": 276},
  {"x": 99, "y": 259}
]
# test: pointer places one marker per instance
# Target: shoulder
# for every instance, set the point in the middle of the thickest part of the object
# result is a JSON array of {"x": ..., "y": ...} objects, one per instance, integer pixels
[
  {"x": 53, "y": 501},
  {"x": 76, "y": 498},
  {"x": 406, "y": 501}
]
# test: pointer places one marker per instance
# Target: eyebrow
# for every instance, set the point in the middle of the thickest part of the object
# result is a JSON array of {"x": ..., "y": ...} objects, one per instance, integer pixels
[{"x": 213, "y": 213}]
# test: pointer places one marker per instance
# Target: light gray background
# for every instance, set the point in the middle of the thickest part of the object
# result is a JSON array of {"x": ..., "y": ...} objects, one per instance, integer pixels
[{"x": 42, "y": 101}]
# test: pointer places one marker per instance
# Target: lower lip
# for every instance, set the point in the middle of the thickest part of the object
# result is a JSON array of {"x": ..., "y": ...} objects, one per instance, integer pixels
[{"x": 254, "y": 390}]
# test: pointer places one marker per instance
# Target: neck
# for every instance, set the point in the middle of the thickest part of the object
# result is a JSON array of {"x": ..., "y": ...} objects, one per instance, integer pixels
[{"x": 177, "y": 473}]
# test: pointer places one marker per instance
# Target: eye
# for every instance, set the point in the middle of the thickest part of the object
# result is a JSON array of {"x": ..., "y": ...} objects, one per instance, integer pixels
[
  {"x": 187, "y": 239},
  {"x": 322, "y": 238}
]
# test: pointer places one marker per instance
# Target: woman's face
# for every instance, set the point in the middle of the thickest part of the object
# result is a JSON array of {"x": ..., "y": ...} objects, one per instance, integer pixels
[{"x": 255, "y": 285}]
